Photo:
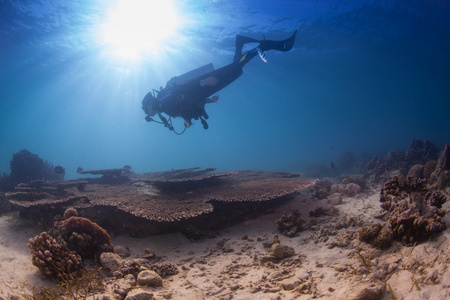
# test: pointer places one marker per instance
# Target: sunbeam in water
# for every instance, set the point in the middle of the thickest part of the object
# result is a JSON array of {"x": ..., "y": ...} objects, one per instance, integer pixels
[{"x": 134, "y": 28}]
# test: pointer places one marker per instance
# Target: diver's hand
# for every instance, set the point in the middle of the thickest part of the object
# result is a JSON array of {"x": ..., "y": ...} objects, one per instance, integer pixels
[{"x": 209, "y": 81}]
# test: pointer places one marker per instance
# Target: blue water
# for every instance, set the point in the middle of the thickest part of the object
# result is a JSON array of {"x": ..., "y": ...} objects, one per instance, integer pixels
[{"x": 363, "y": 76}]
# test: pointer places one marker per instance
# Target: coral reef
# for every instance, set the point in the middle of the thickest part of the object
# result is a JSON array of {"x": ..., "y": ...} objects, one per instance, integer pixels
[
  {"x": 415, "y": 212},
  {"x": 414, "y": 203},
  {"x": 26, "y": 166},
  {"x": 290, "y": 224},
  {"x": 416, "y": 171},
  {"x": 420, "y": 152},
  {"x": 429, "y": 168},
  {"x": 51, "y": 258}
]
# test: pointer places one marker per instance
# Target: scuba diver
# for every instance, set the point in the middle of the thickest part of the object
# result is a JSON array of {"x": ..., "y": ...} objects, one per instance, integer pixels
[{"x": 186, "y": 95}]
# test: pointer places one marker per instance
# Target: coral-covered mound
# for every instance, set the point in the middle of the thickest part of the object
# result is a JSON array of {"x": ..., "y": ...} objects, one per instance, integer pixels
[
  {"x": 415, "y": 211},
  {"x": 26, "y": 166},
  {"x": 378, "y": 235},
  {"x": 61, "y": 250},
  {"x": 52, "y": 258},
  {"x": 164, "y": 269},
  {"x": 420, "y": 153},
  {"x": 83, "y": 236}
]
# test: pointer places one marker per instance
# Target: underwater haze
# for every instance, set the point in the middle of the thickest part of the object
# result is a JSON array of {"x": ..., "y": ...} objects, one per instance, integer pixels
[{"x": 363, "y": 76}]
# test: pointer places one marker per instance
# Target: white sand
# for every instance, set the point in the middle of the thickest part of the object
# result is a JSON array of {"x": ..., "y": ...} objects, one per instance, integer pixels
[{"x": 229, "y": 267}]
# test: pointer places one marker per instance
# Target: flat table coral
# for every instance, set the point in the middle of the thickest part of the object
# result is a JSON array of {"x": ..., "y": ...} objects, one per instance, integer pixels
[{"x": 152, "y": 203}]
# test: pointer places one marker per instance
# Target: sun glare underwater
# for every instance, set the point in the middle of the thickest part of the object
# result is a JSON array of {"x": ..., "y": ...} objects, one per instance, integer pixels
[
  {"x": 134, "y": 28},
  {"x": 363, "y": 76}
]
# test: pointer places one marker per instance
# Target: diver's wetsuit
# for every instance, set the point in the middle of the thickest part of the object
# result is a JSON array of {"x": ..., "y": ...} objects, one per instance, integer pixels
[{"x": 187, "y": 99}]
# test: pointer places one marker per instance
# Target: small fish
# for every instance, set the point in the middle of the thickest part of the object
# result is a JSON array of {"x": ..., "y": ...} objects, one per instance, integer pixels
[{"x": 333, "y": 167}]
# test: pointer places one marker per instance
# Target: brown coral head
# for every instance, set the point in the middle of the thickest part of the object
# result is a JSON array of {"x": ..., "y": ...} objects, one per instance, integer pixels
[
  {"x": 70, "y": 212},
  {"x": 378, "y": 235},
  {"x": 85, "y": 237}
]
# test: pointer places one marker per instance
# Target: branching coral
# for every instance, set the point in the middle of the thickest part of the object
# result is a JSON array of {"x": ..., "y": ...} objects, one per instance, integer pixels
[
  {"x": 415, "y": 212},
  {"x": 164, "y": 269},
  {"x": 51, "y": 258},
  {"x": 290, "y": 224}
]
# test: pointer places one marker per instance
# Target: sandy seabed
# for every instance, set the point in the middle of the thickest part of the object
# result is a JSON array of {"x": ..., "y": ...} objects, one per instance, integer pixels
[{"x": 329, "y": 263}]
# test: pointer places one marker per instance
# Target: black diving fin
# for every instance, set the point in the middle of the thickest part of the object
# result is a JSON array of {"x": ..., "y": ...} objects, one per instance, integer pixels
[{"x": 284, "y": 45}]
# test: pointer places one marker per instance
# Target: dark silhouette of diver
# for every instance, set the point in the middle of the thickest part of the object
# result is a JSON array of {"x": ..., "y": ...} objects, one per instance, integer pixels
[{"x": 186, "y": 95}]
